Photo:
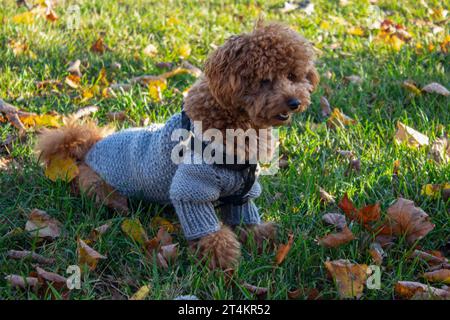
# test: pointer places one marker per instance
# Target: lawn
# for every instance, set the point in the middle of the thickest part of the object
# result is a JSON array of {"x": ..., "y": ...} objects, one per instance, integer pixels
[{"x": 348, "y": 41}]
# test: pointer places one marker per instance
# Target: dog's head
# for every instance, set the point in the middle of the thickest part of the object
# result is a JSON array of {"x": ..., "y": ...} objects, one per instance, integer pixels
[{"x": 268, "y": 74}]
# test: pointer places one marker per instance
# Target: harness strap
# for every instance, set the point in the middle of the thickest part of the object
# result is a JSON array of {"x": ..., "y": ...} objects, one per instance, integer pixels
[{"x": 249, "y": 170}]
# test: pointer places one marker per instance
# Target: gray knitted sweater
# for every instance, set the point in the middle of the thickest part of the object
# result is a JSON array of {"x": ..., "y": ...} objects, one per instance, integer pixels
[{"x": 137, "y": 163}]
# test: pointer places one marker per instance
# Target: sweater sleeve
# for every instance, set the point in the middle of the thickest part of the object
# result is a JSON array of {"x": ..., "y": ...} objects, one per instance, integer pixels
[
  {"x": 246, "y": 213},
  {"x": 193, "y": 190}
]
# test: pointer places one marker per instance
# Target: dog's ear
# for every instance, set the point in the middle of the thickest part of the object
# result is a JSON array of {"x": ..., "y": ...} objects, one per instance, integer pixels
[
  {"x": 313, "y": 77},
  {"x": 223, "y": 71}
]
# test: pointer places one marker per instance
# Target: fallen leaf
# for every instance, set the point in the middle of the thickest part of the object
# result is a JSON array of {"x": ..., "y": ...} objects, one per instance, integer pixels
[
  {"x": 134, "y": 229},
  {"x": 33, "y": 256},
  {"x": 24, "y": 18},
  {"x": 163, "y": 236},
  {"x": 21, "y": 282},
  {"x": 410, "y": 136},
  {"x": 437, "y": 88},
  {"x": 409, "y": 290},
  {"x": 74, "y": 68},
  {"x": 170, "y": 252},
  {"x": 42, "y": 225},
  {"x": 260, "y": 292},
  {"x": 353, "y": 79},
  {"x": 429, "y": 258},
  {"x": 117, "y": 116},
  {"x": 347, "y": 206},
  {"x": 377, "y": 253},
  {"x": 61, "y": 168},
  {"x": 349, "y": 278},
  {"x": 411, "y": 87},
  {"x": 325, "y": 107},
  {"x": 325, "y": 197},
  {"x": 57, "y": 281},
  {"x": 441, "y": 275},
  {"x": 336, "y": 239},
  {"x": 161, "y": 222},
  {"x": 150, "y": 51},
  {"x": 310, "y": 294},
  {"x": 142, "y": 293},
  {"x": 73, "y": 81},
  {"x": 99, "y": 46},
  {"x": 339, "y": 119},
  {"x": 440, "y": 150},
  {"x": 434, "y": 190},
  {"x": 284, "y": 249},
  {"x": 335, "y": 219},
  {"x": 403, "y": 218},
  {"x": 88, "y": 256},
  {"x": 155, "y": 89},
  {"x": 356, "y": 31},
  {"x": 184, "y": 51},
  {"x": 51, "y": 15},
  {"x": 97, "y": 232},
  {"x": 51, "y": 120}
]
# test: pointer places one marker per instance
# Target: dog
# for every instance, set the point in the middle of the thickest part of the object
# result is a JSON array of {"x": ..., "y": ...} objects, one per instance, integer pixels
[{"x": 255, "y": 80}]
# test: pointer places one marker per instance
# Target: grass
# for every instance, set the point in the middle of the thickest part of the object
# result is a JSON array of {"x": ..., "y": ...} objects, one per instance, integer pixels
[{"x": 291, "y": 197}]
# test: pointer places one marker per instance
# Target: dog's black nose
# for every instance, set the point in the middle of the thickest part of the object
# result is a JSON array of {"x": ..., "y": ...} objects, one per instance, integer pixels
[{"x": 293, "y": 103}]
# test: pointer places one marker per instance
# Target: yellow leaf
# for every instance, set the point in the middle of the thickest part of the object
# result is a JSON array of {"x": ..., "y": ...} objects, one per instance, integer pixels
[
  {"x": 395, "y": 42},
  {"x": 411, "y": 137},
  {"x": 155, "y": 88},
  {"x": 339, "y": 119},
  {"x": 25, "y": 18},
  {"x": 325, "y": 25},
  {"x": 411, "y": 87},
  {"x": 356, "y": 31},
  {"x": 142, "y": 293},
  {"x": 431, "y": 190},
  {"x": 42, "y": 120},
  {"x": 102, "y": 79},
  {"x": 349, "y": 278},
  {"x": 184, "y": 51},
  {"x": 61, "y": 168},
  {"x": 134, "y": 229},
  {"x": 161, "y": 222},
  {"x": 87, "y": 255}
]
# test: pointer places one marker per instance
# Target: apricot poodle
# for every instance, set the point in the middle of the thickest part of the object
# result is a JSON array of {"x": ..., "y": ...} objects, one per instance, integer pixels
[{"x": 255, "y": 81}]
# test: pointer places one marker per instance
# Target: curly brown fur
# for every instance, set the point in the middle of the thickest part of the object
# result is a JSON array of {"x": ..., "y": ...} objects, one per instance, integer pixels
[
  {"x": 74, "y": 140},
  {"x": 249, "y": 80},
  {"x": 259, "y": 234},
  {"x": 221, "y": 249}
]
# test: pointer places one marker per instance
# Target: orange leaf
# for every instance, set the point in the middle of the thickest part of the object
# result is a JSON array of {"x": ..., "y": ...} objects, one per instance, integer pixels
[
  {"x": 347, "y": 206},
  {"x": 441, "y": 275},
  {"x": 284, "y": 249},
  {"x": 99, "y": 46},
  {"x": 87, "y": 255},
  {"x": 409, "y": 289},
  {"x": 334, "y": 240},
  {"x": 369, "y": 213}
]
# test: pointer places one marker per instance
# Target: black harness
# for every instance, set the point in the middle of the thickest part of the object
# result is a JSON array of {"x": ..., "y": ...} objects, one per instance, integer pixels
[{"x": 248, "y": 170}]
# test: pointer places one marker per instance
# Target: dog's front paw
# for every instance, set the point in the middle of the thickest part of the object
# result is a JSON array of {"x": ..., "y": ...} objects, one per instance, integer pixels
[
  {"x": 221, "y": 249},
  {"x": 259, "y": 234}
]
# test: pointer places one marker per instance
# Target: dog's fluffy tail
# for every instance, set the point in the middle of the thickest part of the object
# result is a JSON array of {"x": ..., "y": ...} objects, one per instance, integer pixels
[{"x": 74, "y": 139}]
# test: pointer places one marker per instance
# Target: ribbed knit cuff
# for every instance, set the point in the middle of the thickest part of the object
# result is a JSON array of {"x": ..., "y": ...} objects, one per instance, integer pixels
[
  {"x": 197, "y": 219},
  {"x": 246, "y": 214}
]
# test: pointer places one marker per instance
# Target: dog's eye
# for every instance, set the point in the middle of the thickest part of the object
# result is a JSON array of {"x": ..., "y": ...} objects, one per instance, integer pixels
[
  {"x": 292, "y": 77},
  {"x": 265, "y": 82}
]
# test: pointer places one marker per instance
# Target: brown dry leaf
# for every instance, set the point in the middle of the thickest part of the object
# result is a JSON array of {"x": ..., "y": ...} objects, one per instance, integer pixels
[
  {"x": 334, "y": 240},
  {"x": 395, "y": 35},
  {"x": 403, "y": 218},
  {"x": 74, "y": 68},
  {"x": 325, "y": 197},
  {"x": 370, "y": 213},
  {"x": 51, "y": 15},
  {"x": 440, "y": 150},
  {"x": 441, "y": 275},
  {"x": 437, "y": 88},
  {"x": 17, "y": 281},
  {"x": 150, "y": 51},
  {"x": 60, "y": 168},
  {"x": 349, "y": 278},
  {"x": 142, "y": 293},
  {"x": 353, "y": 79},
  {"x": 117, "y": 116},
  {"x": 134, "y": 229},
  {"x": 325, "y": 107},
  {"x": 73, "y": 81},
  {"x": 164, "y": 237},
  {"x": 97, "y": 232},
  {"x": 411, "y": 137},
  {"x": 310, "y": 294},
  {"x": 335, "y": 219},
  {"x": 429, "y": 258},
  {"x": 410, "y": 289},
  {"x": 411, "y": 87},
  {"x": 339, "y": 119},
  {"x": 46, "y": 277},
  {"x": 284, "y": 249},
  {"x": 377, "y": 253},
  {"x": 170, "y": 252},
  {"x": 33, "y": 256},
  {"x": 347, "y": 206},
  {"x": 42, "y": 225},
  {"x": 260, "y": 292},
  {"x": 87, "y": 255},
  {"x": 99, "y": 46}
]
